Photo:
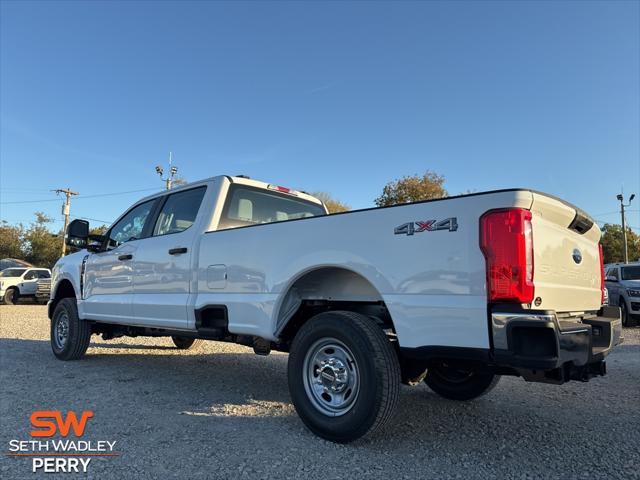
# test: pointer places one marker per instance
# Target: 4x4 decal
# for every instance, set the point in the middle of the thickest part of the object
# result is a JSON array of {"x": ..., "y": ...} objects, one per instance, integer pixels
[{"x": 450, "y": 224}]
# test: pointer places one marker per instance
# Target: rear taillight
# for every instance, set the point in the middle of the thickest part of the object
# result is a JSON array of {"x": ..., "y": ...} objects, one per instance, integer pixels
[
  {"x": 601, "y": 274},
  {"x": 506, "y": 240}
]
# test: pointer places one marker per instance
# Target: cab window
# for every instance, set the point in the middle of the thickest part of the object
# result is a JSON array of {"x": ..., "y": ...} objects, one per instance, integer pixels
[
  {"x": 255, "y": 206},
  {"x": 31, "y": 275},
  {"x": 130, "y": 226},
  {"x": 179, "y": 211},
  {"x": 613, "y": 272}
]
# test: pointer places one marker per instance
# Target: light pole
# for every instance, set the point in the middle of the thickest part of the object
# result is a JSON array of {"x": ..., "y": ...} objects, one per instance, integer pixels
[
  {"x": 620, "y": 197},
  {"x": 172, "y": 173}
]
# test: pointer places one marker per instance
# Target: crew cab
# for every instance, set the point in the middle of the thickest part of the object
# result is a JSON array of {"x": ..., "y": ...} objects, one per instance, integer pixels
[
  {"x": 454, "y": 292},
  {"x": 20, "y": 282}
]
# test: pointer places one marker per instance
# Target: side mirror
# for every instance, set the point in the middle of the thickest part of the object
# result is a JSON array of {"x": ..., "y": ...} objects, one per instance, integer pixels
[
  {"x": 95, "y": 243},
  {"x": 611, "y": 278},
  {"x": 77, "y": 234}
]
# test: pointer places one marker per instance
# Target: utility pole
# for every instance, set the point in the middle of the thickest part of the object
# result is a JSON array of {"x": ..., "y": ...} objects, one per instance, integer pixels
[
  {"x": 620, "y": 197},
  {"x": 66, "y": 209},
  {"x": 168, "y": 180}
]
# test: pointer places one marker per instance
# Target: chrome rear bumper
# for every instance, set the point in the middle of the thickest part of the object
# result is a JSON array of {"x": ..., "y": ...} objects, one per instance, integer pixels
[{"x": 545, "y": 347}]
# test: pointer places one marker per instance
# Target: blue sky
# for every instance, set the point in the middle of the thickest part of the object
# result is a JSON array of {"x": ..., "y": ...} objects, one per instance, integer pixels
[{"x": 339, "y": 97}]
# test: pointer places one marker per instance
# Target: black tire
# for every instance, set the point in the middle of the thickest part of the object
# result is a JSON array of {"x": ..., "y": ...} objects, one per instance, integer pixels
[
  {"x": 627, "y": 319},
  {"x": 78, "y": 332},
  {"x": 367, "y": 352},
  {"x": 185, "y": 343},
  {"x": 11, "y": 296},
  {"x": 459, "y": 384}
]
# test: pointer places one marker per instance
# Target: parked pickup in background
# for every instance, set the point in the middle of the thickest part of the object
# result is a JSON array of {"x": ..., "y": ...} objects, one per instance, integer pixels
[
  {"x": 454, "y": 292},
  {"x": 623, "y": 283},
  {"x": 20, "y": 282}
]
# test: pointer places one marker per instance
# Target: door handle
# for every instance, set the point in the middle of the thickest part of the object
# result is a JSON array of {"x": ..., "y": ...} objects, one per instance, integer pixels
[
  {"x": 177, "y": 251},
  {"x": 125, "y": 257}
]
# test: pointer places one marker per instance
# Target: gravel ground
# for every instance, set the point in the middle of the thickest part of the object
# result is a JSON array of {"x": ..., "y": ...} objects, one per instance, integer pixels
[{"x": 222, "y": 412}]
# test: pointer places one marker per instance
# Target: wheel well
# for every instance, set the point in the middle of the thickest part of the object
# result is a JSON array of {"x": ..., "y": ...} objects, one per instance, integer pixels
[
  {"x": 325, "y": 289},
  {"x": 63, "y": 290}
]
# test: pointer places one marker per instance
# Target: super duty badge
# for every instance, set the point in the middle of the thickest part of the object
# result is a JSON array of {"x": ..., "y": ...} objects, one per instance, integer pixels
[{"x": 450, "y": 224}]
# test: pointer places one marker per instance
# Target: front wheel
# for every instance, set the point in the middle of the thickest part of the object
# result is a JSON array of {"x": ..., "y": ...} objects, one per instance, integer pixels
[
  {"x": 344, "y": 376},
  {"x": 11, "y": 296},
  {"x": 627, "y": 319},
  {"x": 457, "y": 383},
  {"x": 70, "y": 336}
]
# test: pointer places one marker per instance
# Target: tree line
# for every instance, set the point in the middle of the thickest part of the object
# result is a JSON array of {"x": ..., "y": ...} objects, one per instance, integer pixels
[{"x": 38, "y": 245}]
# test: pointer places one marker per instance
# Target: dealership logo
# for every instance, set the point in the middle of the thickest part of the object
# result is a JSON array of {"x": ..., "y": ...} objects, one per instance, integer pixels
[
  {"x": 57, "y": 443},
  {"x": 48, "y": 428}
]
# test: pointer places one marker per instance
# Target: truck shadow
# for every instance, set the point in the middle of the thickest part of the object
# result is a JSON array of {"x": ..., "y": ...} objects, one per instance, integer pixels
[{"x": 210, "y": 393}]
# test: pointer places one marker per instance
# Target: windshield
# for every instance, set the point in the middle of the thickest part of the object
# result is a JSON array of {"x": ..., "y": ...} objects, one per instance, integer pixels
[
  {"x": 631, "y": 273},
  {"x": 12, "y": 272}
]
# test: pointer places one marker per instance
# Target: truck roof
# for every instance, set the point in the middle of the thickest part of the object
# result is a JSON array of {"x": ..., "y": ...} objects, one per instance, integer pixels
[{"x": 239, "y": 179}]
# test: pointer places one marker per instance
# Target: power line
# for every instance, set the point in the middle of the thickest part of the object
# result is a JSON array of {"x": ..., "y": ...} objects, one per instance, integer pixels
[
  {"x": 79, "y": 197},
  {"x": 108, "y": 222}
]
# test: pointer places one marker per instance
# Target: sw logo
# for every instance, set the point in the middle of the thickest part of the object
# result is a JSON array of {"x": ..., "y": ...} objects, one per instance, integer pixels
[
  {"x": 44, "y": 420},
  {"x": 67, "y": 452},
  {"x": 450, "y": 224}
]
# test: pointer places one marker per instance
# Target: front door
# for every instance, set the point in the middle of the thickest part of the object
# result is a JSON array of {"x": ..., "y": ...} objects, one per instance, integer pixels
[
  {"x": 163, "y": 263},
  {"x": 29, "y": 283},
  {"x": 108, "y": 282}
]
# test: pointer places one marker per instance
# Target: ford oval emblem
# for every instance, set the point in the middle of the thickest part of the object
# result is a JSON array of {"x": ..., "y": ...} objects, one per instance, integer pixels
[{"x": 577, "y": 256}]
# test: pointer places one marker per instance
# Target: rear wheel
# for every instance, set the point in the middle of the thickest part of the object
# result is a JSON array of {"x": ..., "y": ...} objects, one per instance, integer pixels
[
  {"x": 185, "y": 343},
  {"x": 457, "y": 383},
  {"x": 344, "y": 376},
  {"x": 11, "y": 296},
  {"x": 70, "y": 336}
]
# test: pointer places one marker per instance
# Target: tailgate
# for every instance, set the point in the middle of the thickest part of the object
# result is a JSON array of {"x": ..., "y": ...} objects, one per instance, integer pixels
[{"x": 566, "y": 256}]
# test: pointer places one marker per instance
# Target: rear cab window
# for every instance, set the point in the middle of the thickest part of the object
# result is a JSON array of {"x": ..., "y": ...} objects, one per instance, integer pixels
[
  {"x": 247, "y": 206},
  {"x": 179, "y": 211}
]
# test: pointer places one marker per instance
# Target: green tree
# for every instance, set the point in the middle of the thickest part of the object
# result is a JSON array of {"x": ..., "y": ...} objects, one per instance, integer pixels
[
  {"x": 333, "y": 205},
  {"x": 612, "y": 244},
  {"x": 101, "y": 230},
  {"x": 412, "y": 188},
  {"x": 41, "y": 247},
  {"x": 11, "y": 240}
]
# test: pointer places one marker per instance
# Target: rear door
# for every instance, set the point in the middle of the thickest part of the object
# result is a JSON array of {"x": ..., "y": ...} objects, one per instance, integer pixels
[
  {"x": 567, "y": 271},
  {"x": 162, "y": 270}
]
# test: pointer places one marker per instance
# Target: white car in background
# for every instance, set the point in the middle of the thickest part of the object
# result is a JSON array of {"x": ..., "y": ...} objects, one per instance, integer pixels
[{"x": 16, "y": 283}]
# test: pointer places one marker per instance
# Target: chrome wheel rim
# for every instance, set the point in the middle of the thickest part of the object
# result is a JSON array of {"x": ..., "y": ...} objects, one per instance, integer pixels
[
  {"x": 331, "y": 377},
  {"x": 61, "y": 330}
]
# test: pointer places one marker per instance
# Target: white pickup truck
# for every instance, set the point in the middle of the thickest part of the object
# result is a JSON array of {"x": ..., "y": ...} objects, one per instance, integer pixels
[
  {"x": 21, "y": 282},
  {"x": 454, "y": 292}
]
